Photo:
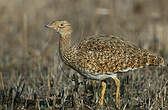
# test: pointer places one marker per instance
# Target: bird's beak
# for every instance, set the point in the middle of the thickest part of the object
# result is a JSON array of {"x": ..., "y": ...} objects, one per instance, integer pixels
[
  {"x": 47, "y": 26},
  {"x": 50, "y": 25}
]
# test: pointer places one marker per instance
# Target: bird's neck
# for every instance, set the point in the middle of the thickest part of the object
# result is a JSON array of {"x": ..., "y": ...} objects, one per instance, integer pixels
[{"x": 64, "y": 42}]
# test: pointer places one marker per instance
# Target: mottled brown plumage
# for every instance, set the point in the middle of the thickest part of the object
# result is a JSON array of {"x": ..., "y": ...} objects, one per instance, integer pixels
[{"x": 102, "y": 56}]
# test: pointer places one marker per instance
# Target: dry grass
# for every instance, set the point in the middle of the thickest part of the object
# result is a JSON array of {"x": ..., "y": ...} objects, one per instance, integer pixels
[{"x": 32, "y": 75}]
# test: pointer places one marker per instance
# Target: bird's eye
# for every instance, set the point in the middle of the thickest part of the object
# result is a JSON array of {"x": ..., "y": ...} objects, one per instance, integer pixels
[{"x": 61, "y": 25}]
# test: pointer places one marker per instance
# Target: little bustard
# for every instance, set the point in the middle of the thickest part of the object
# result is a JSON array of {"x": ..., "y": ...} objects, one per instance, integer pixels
[{"x": 102, "y": 56}]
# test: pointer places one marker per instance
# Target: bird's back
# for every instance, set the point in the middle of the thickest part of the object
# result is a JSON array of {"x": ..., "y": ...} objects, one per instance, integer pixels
[{"x": 103, "y": 54}]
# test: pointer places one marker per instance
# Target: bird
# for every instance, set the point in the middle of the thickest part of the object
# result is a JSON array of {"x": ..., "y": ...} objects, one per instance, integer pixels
[{"x": 101, "y": 56}]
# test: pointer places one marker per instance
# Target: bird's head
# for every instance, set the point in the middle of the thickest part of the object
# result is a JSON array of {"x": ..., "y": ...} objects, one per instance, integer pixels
[{"x": 62, "y": 27}]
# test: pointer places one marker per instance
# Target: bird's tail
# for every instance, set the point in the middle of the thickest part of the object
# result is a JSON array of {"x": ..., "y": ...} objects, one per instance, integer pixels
[{"x": 155, "y": 60}]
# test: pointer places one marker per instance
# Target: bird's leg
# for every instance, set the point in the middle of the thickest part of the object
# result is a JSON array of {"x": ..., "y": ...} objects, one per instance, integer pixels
[
  {"x": 117, "y": 82},
  {"x": 102, "y": 92}
]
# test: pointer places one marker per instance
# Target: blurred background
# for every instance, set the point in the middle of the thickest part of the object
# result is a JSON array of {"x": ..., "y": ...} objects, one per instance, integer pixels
[{"x": 30, "y": 67}]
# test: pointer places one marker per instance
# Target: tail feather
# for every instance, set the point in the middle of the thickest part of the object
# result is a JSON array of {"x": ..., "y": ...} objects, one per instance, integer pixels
[{"x": 155, "y": 60}]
